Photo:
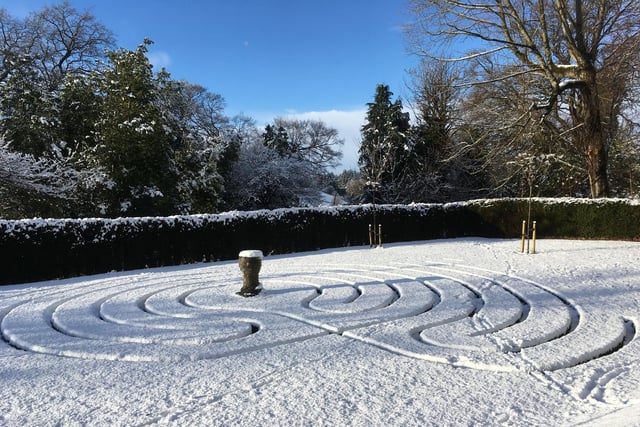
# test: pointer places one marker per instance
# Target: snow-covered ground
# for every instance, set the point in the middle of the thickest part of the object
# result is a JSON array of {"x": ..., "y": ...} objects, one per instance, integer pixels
[{"x": 449, "y": 332}]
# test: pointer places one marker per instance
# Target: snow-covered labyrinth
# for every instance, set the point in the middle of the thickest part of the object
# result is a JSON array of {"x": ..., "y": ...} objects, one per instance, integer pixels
[
  {"x": 442, "y": 312},
  {"x": 567, "y": 317}
]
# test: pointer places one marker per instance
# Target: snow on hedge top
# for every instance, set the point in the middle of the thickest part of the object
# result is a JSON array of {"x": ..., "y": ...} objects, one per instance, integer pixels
[
  {"x": 197, "y": 220},
  {"x": 108, "y": 224}
]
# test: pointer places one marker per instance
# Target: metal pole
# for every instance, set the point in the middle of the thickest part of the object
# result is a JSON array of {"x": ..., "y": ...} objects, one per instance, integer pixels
[{"x": 522, "y": 236}]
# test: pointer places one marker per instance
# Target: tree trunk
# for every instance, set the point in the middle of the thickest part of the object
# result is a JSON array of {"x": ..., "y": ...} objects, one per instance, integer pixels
[
  {"x": 597, "y": 167},
  {"x": 591, "y": 134}
]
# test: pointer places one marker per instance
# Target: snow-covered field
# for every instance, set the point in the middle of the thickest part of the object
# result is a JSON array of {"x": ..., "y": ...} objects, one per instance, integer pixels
[{"x": 450, "y": 332}]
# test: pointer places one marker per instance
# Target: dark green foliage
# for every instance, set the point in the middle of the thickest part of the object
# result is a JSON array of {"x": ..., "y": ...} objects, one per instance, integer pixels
[
  {"x": 278, "y": 140},
  {"x": 27, "y": 113},
  {"x": 562, "y": 218},
  {"x": 591, "y": 219},
  {"x": 90, "y": 131},
  {"x": 62, "y": 248},
  {"x": 133, "y": 147},
  {"x": 384, "y": 151}
]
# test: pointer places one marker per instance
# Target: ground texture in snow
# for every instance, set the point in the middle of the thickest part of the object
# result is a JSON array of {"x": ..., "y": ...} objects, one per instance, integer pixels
[{"x": 453, "y": 332}]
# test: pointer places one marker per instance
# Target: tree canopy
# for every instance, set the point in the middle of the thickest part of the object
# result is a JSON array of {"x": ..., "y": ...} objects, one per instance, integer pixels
[
  {"x": 384, "y": 150},
  {"x": 86, "y": 130},
  {"x": 510, "y": 97},
  {"x": 577, "y": 56}
]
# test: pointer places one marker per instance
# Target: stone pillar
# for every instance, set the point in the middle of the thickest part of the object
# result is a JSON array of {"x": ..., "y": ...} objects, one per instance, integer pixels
[{"x": 250, "y": 262}]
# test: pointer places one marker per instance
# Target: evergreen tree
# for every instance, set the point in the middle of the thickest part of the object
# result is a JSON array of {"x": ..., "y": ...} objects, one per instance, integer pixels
[
  {"x": 385, "y": 151},
  {"x": 38, "y": 56},
  {"x": 27, "y": 113},
  {"x": 195, "y": 120},
  {"x": 133, "y": 146},
  {"x": 79, "y": 110},
  {"x": 276, "y": 138}
]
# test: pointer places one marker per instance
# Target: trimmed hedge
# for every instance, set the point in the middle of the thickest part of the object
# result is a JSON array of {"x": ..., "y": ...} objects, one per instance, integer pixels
[
  {"x": 613, "y": 219},
  {"x": 39, "y": 249}
]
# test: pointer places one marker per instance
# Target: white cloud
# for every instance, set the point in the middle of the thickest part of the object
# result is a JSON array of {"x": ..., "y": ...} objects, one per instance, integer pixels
[{"x": 159, "y": 59}]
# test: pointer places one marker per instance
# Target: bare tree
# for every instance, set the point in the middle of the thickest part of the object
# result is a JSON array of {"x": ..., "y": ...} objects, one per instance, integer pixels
[
  {"x": 56, "y": 40},
  {"x": 312, "y": 141},
  {"x": 579, "y": 52},
  {"x": 263, "y": 179},
  {"x": 28, "y": 185},
  {"x": 63, "y": 40},
  {"x": 436, "y": 99},
  {"x": 436, "y": 94},
  {"x": 40, "y": 56},
  {"x": 12, "y": 52},
  {"x": 502, "y": 131}
]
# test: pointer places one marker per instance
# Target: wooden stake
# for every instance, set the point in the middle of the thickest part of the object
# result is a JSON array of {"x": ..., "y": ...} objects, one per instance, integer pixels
[
  {"x": 533, "y": 247},
  {"x": 370, "y": 236}
]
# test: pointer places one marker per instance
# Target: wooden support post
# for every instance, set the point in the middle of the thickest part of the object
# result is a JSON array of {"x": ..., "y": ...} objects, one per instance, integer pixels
[{"x": 533, "y": 240}]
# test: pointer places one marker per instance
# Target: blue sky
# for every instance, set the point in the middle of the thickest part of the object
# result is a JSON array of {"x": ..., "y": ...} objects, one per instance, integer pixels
[{"x": 269, "y": 58}]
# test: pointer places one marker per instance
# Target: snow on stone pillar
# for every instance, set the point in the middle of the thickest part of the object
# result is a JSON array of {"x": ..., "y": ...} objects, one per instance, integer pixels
[{"x": 250, "y": 262}]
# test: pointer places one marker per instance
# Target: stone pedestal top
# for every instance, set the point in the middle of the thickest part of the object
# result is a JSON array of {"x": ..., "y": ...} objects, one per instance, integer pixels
[{"x": 253, "y": 253}]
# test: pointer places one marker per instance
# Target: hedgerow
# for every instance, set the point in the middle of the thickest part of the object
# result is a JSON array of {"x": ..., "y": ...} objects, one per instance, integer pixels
[{"x": 40, "y": 249}]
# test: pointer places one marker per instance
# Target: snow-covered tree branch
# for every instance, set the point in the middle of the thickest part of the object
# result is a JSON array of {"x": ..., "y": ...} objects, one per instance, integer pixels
[{"x": 578, "y": 50}]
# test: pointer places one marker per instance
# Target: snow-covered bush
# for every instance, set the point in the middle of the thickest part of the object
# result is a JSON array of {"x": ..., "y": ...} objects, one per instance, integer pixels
[
  {"x": 261, "y": 178},
  {"x": 31, "y": 185}
]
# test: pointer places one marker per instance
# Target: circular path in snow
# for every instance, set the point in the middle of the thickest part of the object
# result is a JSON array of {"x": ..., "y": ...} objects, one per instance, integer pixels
[{"x": 442, "y": 312}]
